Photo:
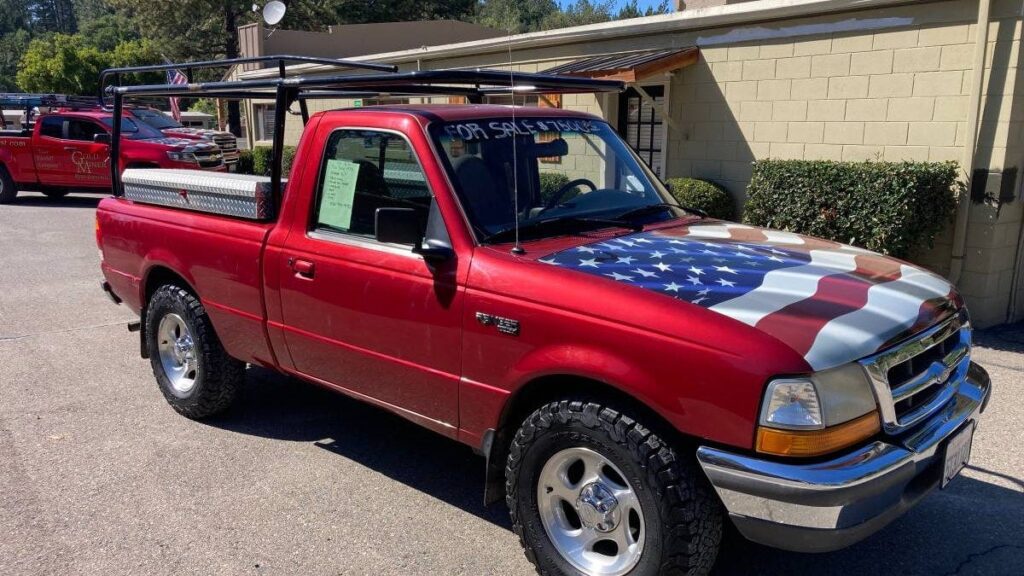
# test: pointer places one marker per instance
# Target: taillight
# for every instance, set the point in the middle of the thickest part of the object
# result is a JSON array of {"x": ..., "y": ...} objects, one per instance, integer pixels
[{"x": 99, "y": 235}]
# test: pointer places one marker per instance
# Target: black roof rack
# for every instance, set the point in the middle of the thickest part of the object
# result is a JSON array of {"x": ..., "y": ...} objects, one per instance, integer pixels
[{"x": 363, "y": 80}]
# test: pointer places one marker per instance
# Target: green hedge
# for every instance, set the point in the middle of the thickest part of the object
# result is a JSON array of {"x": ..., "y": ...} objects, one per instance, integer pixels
[
  {"x": 889, "y": 207},
  {"x": 551, "y": 182},
  {"x": 245, "y": 160},
  {"x": 703, "y": 195},
  {"x": 261, "y": 157}
]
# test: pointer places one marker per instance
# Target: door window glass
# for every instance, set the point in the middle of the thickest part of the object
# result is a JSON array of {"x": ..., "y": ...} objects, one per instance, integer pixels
[
  {"x": 53, "y": 127},
  {"x": 364, "y": 170},
  {"x": 83, "y": 129}
]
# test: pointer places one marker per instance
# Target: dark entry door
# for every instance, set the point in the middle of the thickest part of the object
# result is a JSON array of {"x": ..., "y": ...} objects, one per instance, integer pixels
[{"x": 642, "y": 126}]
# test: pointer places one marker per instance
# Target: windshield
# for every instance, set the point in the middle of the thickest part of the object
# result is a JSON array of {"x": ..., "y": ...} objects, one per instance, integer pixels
[
  {"x": 571, "y": 174},
  {"x": 155, "y": 119},
  {"x": 133, "y": 130}
]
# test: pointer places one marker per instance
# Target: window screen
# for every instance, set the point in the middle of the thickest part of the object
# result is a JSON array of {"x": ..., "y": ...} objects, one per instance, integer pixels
[{"x": 365, "y": 170}]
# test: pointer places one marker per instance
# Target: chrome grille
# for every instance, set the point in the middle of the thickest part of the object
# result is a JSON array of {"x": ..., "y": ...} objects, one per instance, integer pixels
[
  {"x": 917, "y": 377},
  {"x": 229, "y": 146},
  {"x": 209, "y": 159}
]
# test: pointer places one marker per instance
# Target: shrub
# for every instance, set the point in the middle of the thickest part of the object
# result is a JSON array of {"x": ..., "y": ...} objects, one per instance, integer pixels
[
  {"x": 244, "y": 165},
  {"x": 262, "y": 157},
  {"x": 703, "y": 195},
  {"x": 889, "y": 207},
  {"x": 551, "y": 182}
]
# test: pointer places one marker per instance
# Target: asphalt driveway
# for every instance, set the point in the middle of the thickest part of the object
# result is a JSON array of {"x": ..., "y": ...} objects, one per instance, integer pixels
[{"x": 99, "y": 476}]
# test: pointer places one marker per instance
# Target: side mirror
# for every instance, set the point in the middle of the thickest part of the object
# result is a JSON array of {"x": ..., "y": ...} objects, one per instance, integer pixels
[
  {"x": 101, "y": 138},
  {"x": 405, "y": 226}
]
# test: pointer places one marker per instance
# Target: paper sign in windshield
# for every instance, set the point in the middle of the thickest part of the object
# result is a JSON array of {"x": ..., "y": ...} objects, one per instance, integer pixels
[{"x": 338, "y": 193}]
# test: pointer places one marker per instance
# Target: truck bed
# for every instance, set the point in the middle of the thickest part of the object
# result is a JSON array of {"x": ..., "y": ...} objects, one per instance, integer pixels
[{"x": 218, "y": 257}]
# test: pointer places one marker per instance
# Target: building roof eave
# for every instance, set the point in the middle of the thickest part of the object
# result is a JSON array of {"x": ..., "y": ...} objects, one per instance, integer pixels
[{"x": 701, "y": 18}]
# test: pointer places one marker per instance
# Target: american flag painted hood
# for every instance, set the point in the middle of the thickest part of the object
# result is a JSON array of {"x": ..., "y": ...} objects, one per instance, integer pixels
[{"x": 830, "y": 302}]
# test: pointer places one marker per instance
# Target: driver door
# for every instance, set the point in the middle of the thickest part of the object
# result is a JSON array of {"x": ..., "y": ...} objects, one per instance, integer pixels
[{"x": 371, "y": 318}]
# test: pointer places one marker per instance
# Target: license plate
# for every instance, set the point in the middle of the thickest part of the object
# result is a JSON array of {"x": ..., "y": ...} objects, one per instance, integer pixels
[{"x": 958, "y": 452}]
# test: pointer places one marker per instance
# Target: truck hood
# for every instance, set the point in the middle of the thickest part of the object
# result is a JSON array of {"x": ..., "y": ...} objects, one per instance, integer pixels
[{"x": 830, "y": 302}]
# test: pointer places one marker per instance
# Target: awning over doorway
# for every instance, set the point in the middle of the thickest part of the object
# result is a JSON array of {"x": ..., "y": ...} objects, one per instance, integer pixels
[{"x": 629, "y": 67}]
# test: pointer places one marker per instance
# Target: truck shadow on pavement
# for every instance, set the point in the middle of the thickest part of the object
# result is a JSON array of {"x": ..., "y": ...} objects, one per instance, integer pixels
[
  {"x": 275, "y": 406},
  {"x": 73, "y": 200},
  {"x": 973, "y": 527}
]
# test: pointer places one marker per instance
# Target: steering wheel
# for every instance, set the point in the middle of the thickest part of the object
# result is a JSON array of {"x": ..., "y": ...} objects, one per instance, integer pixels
[{"x": 556, "y": 198}]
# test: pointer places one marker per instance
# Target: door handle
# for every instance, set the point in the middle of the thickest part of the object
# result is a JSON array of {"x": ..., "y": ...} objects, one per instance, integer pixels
[
  {"x": 70, "y": 149},
  {"x": 303, "y": 268}
]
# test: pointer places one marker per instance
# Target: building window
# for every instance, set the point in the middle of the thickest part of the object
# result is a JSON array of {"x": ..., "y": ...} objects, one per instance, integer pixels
[
  {"x": 642, "y": 126},
  {"x": 264, "y": 123}
]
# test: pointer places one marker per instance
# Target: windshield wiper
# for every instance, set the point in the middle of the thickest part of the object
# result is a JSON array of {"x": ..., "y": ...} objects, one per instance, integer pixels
[
  {"x": 655, "y": 208},
  {"x": 568, "y": 222}
]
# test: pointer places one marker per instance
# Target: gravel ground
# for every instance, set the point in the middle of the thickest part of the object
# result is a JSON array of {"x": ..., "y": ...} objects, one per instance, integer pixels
[{"x": 99, "y": 476}]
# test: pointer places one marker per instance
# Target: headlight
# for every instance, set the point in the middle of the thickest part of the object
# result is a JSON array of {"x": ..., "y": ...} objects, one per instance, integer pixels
[
  {"x": 818, "y": 414},
  {"x": 181, "y": 156}
]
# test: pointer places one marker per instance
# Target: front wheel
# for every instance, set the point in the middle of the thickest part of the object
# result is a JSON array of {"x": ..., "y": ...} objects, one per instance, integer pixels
[
  {"x": 195, "y": 374},
  {"x": 593, "y": 492}
]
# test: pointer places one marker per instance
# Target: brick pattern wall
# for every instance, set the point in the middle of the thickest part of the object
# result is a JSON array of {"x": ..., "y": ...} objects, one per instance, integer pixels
[{"x": 892, "y": 95}]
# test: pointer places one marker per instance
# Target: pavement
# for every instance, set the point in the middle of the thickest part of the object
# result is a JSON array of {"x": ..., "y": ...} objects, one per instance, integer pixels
[{"x": 99, "y": 476}]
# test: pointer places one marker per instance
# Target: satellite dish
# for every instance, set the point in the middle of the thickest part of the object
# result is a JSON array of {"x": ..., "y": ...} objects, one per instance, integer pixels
[{"x": 273, "y": 12}]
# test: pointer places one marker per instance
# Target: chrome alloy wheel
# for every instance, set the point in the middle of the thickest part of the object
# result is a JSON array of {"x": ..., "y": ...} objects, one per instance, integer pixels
[
  {"x": 177, "y": 354},
  {"x": 590, "y": 512}
]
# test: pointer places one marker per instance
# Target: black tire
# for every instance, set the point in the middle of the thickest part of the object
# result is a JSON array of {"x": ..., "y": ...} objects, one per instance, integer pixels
[
  {"x": 55, "y": 194},
  {"x": 682, "y": 517},
  {"x": 218, "y": 376},
  {"x": 8, "y": 189}
]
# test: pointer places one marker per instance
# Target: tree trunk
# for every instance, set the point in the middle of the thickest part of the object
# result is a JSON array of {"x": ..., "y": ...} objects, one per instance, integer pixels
[{"x": 231, "y": 28}]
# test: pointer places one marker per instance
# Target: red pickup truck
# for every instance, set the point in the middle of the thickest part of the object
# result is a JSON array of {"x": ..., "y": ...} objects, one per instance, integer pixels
[
  {"x": 634, "y": 373},
  {"x": 69, "y": 150},
  {"x": 226, "y": 141}
]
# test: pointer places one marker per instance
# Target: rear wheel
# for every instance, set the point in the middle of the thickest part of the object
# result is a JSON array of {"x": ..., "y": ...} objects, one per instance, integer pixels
[
  {"x": 8, "y": 190},
  {"x": 195, "y": 374},
  {"x": 594, "y": 492}
]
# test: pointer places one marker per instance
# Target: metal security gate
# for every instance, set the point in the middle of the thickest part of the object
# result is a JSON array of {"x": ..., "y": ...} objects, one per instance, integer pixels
[{"x": 642, "y": 126}]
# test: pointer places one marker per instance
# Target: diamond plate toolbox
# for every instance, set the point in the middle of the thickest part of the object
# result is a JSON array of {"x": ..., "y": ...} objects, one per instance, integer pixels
[{"x": 238, "y": 195}]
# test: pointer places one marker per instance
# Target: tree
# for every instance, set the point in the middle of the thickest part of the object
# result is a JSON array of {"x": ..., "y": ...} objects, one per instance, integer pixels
[
  {"x": 68, "y": 64},
  {"x": 515, "y": 16},
  {"x": 53, "y": 16},
  {"x": 60, "y": 63},
  {"x": 632, "y": 10},
  {"x": 12, "y": 46},
  {"x": 106, "y": 31}
]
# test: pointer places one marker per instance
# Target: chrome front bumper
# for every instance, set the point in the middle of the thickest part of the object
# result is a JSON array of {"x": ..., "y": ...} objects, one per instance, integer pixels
[{"x": 829, "y": 505}]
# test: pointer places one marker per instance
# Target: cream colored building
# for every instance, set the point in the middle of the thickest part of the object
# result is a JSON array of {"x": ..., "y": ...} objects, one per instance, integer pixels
[{"x": 723, "y": 85}]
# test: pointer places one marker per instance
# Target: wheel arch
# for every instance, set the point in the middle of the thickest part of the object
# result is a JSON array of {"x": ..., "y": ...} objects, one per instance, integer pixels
[
  {"x": 550, "y": 387},
  {"x": 156, "y": 276}
]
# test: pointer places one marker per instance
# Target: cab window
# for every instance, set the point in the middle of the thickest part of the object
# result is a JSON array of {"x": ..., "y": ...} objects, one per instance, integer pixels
[
  {"x": 52, "y": 127},
  {"x": 83, "y": 130},
  {"x": 364, "y": 170}
]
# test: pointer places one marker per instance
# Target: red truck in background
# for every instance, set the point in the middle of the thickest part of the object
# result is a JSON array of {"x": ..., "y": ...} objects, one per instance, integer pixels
[
  {"x": 70, "y": 150},
  {"x": 170, "y": 127},
  {"x": 635, "y": 374}
]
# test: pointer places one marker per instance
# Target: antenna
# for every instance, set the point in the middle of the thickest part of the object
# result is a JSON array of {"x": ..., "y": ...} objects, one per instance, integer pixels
[{"x": 518, "y": 248}]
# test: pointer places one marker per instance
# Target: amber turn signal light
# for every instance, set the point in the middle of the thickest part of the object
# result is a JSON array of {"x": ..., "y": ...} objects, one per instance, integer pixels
[{"x": 817, "y": 442}]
